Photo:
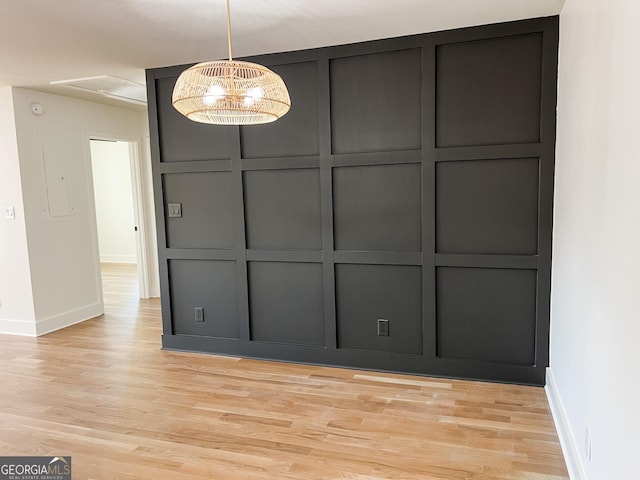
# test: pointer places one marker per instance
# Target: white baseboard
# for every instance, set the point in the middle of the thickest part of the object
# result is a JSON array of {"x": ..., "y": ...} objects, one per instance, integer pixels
[
  {"x": 66, "y": 319},
  {"x": 118, "y": 259},
  {"x": 567, "y": 441},
  {"x": 17, "y": 327}
]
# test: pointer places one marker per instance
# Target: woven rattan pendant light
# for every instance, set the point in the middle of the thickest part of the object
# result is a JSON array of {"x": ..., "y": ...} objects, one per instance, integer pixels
[{"x": 230, "y": 92}]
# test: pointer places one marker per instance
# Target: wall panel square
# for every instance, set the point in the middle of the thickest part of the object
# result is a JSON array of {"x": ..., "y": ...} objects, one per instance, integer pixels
[
  {"x": 184, "y": 140},
  {"x": 295, "y": 134},
  {"x": 487, "y": 206},
  {"x": 282, "y": 209},
  {"x": 488, "y": 91},
  {"x": 207, "y": 210},
  {"x": 209, "y": 284},
  {"x": 286, "y": 302},
  {"x": 486, "y": 314},
  {"x": 377, "y": 207},
  {"x": 376, "y": 102},
  {"x": 366, "y": 293}
]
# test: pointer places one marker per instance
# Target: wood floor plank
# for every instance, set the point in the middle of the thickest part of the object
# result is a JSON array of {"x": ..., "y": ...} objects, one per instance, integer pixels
[{"x": 105, "y": 393}]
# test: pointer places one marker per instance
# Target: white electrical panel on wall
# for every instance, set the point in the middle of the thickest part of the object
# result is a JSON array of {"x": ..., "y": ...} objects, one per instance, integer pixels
[{"x": 56, "y": 184}]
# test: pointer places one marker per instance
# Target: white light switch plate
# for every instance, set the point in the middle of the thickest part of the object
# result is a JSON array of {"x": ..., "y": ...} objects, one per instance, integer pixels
[{"x": 9, "y": 212}]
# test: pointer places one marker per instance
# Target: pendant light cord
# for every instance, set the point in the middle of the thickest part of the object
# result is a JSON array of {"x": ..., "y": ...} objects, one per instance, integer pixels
[{"x": 229, "y": 30}]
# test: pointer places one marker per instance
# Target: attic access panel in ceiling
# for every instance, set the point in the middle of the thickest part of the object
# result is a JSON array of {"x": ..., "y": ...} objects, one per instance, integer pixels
[{"x": 108, "y": 86}]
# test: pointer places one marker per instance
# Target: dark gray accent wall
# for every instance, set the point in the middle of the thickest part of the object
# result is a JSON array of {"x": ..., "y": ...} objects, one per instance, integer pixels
[{"x": 411, "y": 183}]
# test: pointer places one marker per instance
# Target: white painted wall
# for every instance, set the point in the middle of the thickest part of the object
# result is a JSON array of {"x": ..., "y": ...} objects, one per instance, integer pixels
[
  {"x": 593, "y": 381},
  {"x": 17, "y": 314},
  {"x": 111, "y": 168},
  {"x": 58, "y": 201}
]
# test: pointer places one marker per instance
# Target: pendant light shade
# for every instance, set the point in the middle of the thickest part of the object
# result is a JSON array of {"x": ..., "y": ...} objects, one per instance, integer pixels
[
  {"x": 226, "y": 92},
  {"x": 230, "y": 92}
]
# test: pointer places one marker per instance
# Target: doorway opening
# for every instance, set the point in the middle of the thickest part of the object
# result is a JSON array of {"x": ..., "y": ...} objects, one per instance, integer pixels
[{"x": 118, "y": 206}]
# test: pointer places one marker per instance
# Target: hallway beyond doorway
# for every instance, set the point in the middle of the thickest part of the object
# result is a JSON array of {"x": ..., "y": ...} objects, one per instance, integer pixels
[{"x": 120, "y": 286}]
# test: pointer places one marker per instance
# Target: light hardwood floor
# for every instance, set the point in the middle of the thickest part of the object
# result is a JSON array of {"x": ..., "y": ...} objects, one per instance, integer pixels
[{"x": 104, "y": 393}]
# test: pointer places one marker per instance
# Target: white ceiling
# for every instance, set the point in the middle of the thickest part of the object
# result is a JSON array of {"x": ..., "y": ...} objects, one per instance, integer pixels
[{"x": 48, "y": 40}]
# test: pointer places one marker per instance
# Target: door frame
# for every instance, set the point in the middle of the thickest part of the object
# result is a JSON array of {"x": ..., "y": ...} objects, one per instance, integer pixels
[{"x": 137, "y": 200}]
